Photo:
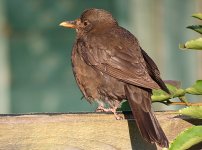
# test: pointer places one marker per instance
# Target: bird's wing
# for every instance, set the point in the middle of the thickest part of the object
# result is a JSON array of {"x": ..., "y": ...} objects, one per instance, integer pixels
[
  {"x": 153, "y": 71},
  {"x": 120, "y": 59}
]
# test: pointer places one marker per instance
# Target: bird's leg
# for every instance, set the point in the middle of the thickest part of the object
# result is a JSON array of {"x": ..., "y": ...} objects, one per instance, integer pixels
[
  {"x": 100, "y": 107},
  {"x": 114, "y": 106},
  {"x": 113, "y": 109}
]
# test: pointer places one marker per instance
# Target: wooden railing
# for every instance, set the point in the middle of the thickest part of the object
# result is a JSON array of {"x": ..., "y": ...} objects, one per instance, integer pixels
[{"x": 82, "y": 131}]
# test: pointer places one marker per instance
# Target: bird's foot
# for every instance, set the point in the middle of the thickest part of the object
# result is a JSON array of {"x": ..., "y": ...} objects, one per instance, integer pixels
[
  {"x": 100, "y": 109},
  {"x": 118, "y": 117},
  {"x": 113, "y": 110}
]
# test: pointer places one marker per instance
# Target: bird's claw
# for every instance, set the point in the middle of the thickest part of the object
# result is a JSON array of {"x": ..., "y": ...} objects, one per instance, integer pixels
[
  {"x": 113, "y": 110},
  {"x": 100, "y": 109}
]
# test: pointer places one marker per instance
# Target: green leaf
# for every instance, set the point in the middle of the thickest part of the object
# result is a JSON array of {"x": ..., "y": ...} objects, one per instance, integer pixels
[
  {"x": 195, "y": 89},
  {"x": 197, "y": 28},
  {"x": 192, "y": 44},
  {"x": 187, "y": 138},
  {"x": 192, "y": 111},
  {"x": 198, "y": 16},
  {"x": 160, "y": 95}
]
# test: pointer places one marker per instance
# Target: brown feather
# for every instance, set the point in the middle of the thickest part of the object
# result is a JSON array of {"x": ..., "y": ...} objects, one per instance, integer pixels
[{"x": 154, "y": 71}]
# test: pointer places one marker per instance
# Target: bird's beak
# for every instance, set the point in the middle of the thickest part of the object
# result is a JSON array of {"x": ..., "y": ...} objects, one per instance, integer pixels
[{"x": 68, "y": 24}]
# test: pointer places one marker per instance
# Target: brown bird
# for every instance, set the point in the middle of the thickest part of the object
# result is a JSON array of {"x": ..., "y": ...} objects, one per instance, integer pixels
[{"x": 109, "y": 65}]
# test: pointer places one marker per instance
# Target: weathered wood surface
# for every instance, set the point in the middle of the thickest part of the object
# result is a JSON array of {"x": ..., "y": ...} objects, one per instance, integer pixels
[{"x": 81, "y": 131}]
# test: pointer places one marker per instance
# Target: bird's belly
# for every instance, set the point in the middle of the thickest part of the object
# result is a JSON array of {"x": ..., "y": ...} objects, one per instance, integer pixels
[{"x": 94, "y": 84}]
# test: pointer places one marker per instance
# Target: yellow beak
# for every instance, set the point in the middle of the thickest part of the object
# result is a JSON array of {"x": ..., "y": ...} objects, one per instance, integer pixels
[{"x": 68, "y": 24}]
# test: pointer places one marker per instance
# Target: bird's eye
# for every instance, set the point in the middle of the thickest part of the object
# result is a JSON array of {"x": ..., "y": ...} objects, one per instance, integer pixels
[{"x": 85, "y": 23}]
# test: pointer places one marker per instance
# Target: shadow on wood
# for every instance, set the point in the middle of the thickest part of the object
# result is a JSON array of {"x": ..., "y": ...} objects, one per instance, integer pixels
[{"x": 137, "y": 142}]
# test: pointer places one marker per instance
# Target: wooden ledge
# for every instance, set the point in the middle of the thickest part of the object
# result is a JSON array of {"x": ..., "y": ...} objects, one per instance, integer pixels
[{"x": 82, "y": 131}]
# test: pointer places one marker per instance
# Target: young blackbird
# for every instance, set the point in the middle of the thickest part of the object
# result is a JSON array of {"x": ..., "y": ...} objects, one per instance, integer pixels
[{"x": 109, "y": 65}]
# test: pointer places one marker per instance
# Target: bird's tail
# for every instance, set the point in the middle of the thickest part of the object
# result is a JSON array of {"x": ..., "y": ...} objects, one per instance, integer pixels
[{"x": 140, "y": 102}]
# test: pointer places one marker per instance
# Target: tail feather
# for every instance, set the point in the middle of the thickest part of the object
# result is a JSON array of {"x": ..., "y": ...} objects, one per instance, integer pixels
[{"x": 140, "y": 103}]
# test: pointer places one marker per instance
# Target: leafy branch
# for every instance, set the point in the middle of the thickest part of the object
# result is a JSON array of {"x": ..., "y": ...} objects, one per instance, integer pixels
[
  {"x": 192, "y": 135},
  {"x": 177, "y": 92}
]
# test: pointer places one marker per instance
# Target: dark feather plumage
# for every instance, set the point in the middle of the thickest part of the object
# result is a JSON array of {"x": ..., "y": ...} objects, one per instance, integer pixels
[
  {"x": 109, "y": 66},
  {"x": 154, "y": 71}
]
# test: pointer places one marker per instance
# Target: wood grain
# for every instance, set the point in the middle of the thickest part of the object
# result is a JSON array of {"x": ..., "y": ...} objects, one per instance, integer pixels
[{"x": 81, "y": 131}]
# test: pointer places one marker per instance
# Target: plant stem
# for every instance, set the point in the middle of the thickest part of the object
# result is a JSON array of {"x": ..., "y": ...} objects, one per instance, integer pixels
[{"x": 185, "y": 104}]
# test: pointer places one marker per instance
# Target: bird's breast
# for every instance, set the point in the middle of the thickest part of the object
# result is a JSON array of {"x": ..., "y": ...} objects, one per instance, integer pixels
[
  {"x": 84, "y": 75},
  {"x": 94, "y": 84}
]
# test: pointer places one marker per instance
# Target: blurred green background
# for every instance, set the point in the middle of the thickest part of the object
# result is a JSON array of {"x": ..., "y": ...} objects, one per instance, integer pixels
[{"x": 35, "y": 65}]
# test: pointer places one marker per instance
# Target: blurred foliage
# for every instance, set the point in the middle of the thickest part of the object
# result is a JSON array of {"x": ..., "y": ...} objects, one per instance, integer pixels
[
  {"x": 198, "y": 16},
  {"x": 195, "y": 89},
  {"x": 192, "y": 44},
  {"x": 159, "y": 95},
  {"x": 192, "y": 135},
  {"x": 192, "y": 111},
  {"x": 197, "y": 28},
  {"x": 187, "y": 138},
  {"x": 197, "y": 43}
]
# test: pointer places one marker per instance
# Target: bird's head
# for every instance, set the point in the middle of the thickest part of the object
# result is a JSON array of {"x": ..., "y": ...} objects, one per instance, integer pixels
[{"x": 91, "y": 20}]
